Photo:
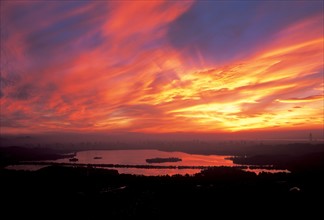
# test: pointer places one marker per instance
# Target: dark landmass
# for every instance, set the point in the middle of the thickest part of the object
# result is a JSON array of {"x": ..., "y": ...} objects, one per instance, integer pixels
[
  {"x": 163, "y": 160},
  {"x": 93, "y": 193},
  {"x": 97, "y": 158},
  {"x": 289, "y": 162},
  {"x": 11, "y": 155},
  {"x": 73, "y": 159},
  {"x": 82, "y": 191}
]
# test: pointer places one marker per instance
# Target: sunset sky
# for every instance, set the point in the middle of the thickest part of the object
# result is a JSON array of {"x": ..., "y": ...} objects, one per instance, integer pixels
[{"x": 161, "y": 66}]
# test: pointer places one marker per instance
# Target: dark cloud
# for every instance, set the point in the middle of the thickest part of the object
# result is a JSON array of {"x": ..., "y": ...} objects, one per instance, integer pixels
[
  {"x": 60, "y": 35},
  {"x": 24, "y": 92},
  {"x": 53, "y": 32},
  {"x": 14, "y": 119},
  {"x": 4, "y": 82}
]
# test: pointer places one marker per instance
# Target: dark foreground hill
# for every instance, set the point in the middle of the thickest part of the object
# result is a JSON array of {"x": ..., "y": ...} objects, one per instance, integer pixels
[
  {"x": 90, "y": 193},
  {"x": 58, "y": 192}
]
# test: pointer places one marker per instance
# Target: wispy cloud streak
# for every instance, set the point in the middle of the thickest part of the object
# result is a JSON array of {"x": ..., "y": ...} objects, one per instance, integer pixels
[{"x": 160, "y": 66}]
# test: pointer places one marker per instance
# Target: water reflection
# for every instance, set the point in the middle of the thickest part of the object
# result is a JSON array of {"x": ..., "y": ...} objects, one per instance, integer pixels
[
  {"x": 138, "y": 157},
  {"x": 258, "y": 171},
  {"x": 26, "y": 167},
  {"x": 157, "y": 172},
  {"x": 146, "y": 172}
]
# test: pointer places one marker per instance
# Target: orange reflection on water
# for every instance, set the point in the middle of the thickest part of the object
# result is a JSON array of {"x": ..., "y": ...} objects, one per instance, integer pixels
[
  {"x": 138, "y": 157},
  {"x": 258, "y": 171},
  {"x": 156, "y": 172}
]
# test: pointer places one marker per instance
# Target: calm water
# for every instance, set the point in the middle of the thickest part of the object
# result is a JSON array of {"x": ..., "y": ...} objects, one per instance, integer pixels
[
  {"x": 135, "y": 171},
  {"x": 157, "y": 172},
  {"x": 138, "y": 157},
  {"x": 25, "y": 167},
  {"x": 258, "y": 171}
]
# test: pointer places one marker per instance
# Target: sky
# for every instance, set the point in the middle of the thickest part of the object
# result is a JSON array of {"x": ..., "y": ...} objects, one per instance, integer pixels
[{"x": 161, "y": 66}]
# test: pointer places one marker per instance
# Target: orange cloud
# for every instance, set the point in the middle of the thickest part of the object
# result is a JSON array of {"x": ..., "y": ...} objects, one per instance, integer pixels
[
  {"x": 306, "y": 99},
  {"x": 251, "y": 94},
  {"x": 137, "y": 81}
]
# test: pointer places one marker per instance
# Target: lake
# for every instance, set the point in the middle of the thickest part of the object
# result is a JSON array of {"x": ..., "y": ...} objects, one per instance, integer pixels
[{"x": 138, "y": 157}]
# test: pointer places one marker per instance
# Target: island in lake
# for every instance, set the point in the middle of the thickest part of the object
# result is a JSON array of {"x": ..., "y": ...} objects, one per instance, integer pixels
[
  {"x": 97, "y": 158},
  {"x": 163, "y": 160},
  {"x": 73, "y": 159}
]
